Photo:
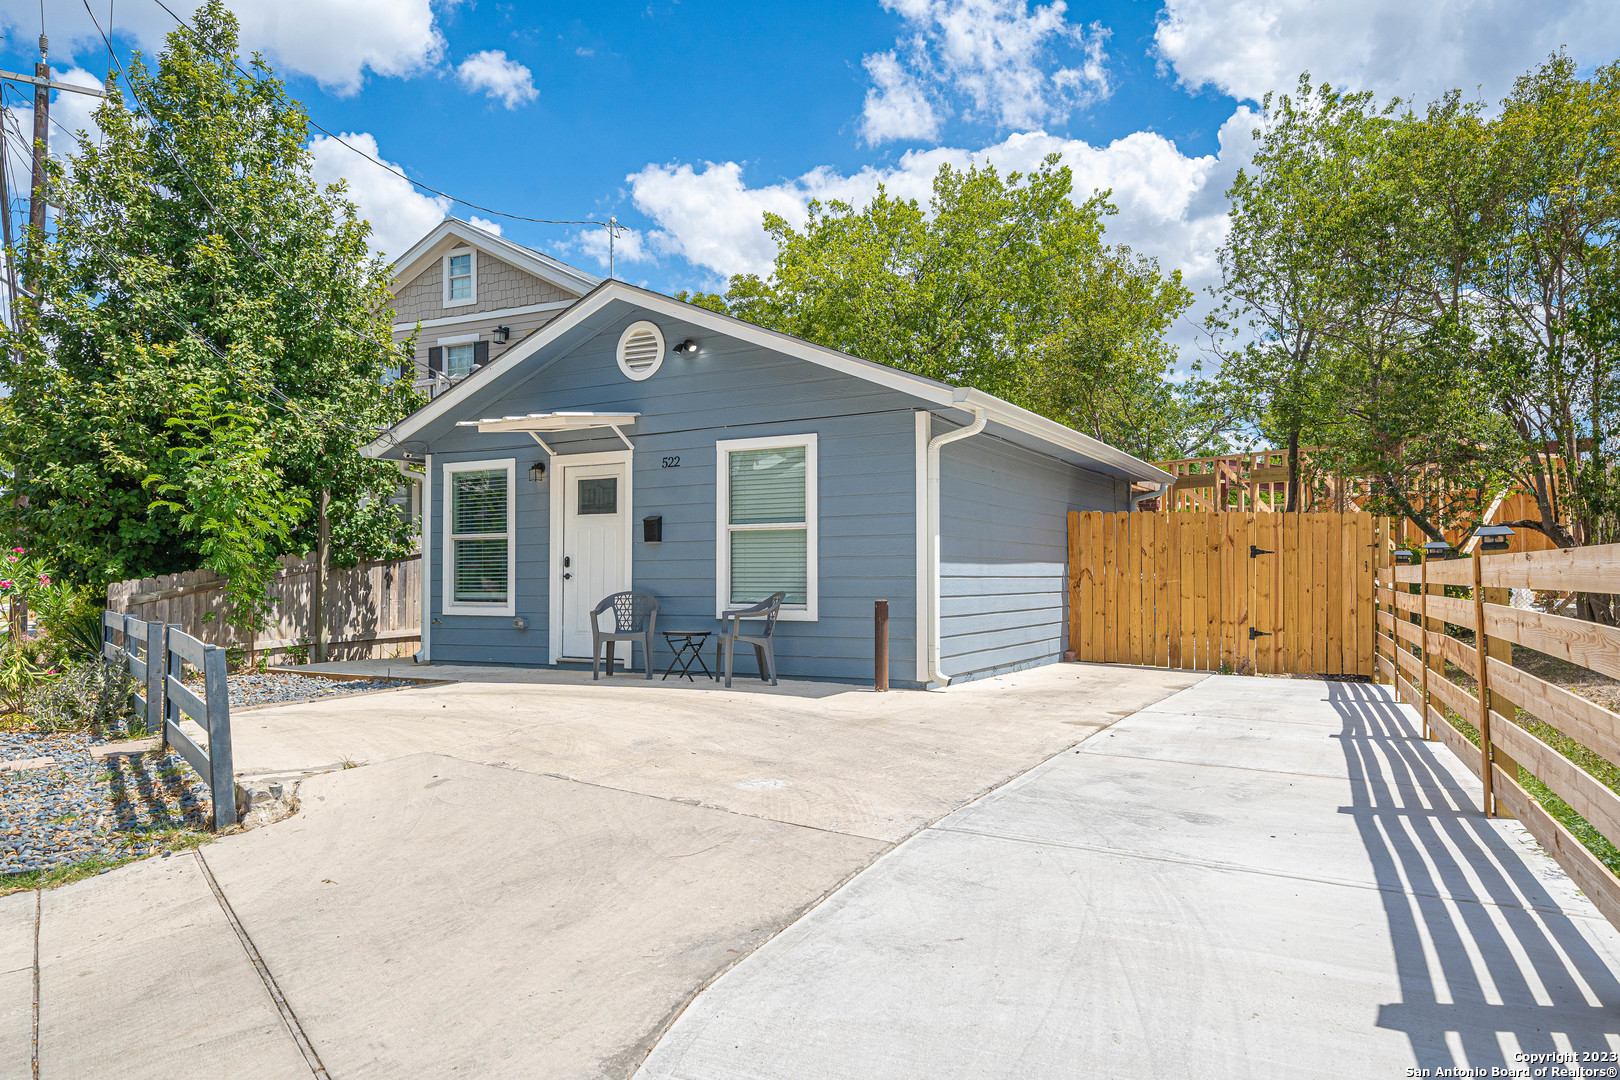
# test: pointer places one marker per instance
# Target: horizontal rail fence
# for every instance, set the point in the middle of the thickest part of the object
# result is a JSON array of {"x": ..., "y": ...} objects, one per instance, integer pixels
[
  {"x": 1209, "y": 591},
  {"x": 372, "y": 610},
  {"x": 1432, "y": 648},
  {"x": 155, "y": 655},
  {"x": 131, "y": 643}
]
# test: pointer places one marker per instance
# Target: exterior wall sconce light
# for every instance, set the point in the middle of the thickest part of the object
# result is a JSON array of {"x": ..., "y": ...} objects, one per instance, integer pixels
[
  {"x": 1494, "y": 538},
  {"x": 537, "y": 472},
  {"x": 501, "y": 335},
  {"x": 685, "y": 348},
  {"x": 1436, "y": 549},
  {"x": 1403, "y": 556}
]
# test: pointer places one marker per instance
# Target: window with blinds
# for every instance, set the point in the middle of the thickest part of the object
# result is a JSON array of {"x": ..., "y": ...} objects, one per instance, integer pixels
[
  {"x": 769, "y": 521},
  {"x": 479, "y": 521}
]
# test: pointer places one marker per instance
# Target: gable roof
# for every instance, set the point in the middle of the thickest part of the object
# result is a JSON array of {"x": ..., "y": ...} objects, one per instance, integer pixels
[
  {"x": 538, "y": 263},
  {"x": 1004, "y": 416}
]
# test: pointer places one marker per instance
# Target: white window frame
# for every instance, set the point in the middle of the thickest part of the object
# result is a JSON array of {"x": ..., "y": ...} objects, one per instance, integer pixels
[
  {"x": 451, "y": 606},
  {"x": 472, "y": 264},
  {"x": 458, "y": 339},
  {"x": 808, "y": 611}
]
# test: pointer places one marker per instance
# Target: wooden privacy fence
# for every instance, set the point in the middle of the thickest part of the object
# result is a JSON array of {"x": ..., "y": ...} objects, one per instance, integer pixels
[
  {"x": 1428, "y": 663},
  {"x": 373, "y": 609},
  {"x": 1207, "y": 591},
  {"x": 155, "y": 656}
]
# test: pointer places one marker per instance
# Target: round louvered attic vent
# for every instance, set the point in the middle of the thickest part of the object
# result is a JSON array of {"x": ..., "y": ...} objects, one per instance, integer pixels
[{"x": 641, "y": 350}]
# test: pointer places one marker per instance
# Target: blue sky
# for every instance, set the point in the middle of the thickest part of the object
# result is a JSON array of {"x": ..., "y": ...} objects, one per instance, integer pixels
[{"x": 687, "y": 120}]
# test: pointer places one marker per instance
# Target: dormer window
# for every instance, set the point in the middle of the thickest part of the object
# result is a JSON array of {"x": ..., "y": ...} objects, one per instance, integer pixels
[{"x": 460, "y": 277}]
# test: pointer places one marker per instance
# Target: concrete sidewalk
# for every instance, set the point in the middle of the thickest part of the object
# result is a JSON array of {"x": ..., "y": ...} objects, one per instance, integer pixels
[
  {"x": 526, "y": 879},
  {"x": 1252, "y": 878}
]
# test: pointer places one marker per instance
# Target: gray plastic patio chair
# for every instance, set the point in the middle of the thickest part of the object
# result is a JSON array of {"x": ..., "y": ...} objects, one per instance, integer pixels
[
  {"x": 731, "y": 633},
  {"x": 634, "y": 615}
]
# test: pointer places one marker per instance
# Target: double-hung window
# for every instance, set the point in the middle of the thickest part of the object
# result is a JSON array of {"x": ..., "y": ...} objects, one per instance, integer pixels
[
  {"x": 479, "y": 542},
  {"x": 766, "y": 537},
  {"x": 460, "y": 278}
]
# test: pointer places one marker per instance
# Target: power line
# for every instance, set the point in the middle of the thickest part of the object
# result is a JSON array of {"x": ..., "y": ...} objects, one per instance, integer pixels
[
  {"x": 611, "y": 224},
  {"x": 292, "y": 408}
]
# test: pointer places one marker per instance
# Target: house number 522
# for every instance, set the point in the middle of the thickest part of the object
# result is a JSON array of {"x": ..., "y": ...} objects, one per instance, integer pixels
[{"x": 672, "y": 462}]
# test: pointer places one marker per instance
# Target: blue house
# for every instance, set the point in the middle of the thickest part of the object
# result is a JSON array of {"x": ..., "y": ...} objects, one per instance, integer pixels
[{"x": 637, "y": 441}]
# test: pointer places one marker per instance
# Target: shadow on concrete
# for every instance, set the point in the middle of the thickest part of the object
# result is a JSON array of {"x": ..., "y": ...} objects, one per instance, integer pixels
[{"x": 1485, "y": 955}]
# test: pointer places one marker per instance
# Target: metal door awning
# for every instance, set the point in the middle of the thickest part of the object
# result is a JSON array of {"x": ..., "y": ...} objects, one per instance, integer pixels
[{"x": 535, "y": 423}]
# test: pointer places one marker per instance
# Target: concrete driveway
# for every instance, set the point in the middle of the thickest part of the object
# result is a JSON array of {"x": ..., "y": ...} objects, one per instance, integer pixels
[
  {"x": 522, "y": 879},
  {"x": 1253, "y": 878}
]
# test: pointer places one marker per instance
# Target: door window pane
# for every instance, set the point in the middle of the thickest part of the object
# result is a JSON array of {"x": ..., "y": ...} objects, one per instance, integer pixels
[{"x": 599, "y": 495}]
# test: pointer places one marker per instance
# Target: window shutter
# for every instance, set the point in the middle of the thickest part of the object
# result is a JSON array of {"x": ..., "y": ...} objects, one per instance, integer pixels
[
  {"x": 480, "y": 353},
  {"x": 436, "y": 359}
]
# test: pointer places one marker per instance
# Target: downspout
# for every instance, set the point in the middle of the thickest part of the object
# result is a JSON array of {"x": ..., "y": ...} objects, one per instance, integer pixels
[
  {"x": 1136, "y": 503},
  {"x": 934, "y": 444},
  {"x": 425, "y": 653}
]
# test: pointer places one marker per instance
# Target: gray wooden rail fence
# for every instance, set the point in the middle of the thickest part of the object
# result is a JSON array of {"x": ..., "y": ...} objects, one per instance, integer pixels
[
  {"x": 155, "y": 655},
  {"x": 372, "y": 610}
]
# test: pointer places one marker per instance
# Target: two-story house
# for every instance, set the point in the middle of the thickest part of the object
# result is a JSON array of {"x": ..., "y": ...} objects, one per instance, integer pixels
[{"x": 474, "y": 295}]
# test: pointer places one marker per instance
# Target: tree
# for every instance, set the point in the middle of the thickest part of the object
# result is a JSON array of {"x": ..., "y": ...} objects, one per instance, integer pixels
[
  {"x": 1003, "y": 283},
  {"x": 199, "y": 286}
]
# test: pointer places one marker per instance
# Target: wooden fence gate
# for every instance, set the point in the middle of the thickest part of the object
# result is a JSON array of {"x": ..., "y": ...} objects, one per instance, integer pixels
[{"x": 1271, "y": 593}]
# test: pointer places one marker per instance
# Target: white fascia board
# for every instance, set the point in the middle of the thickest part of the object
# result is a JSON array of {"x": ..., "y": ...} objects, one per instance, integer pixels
[
  {"x": 485, "y": 316},
  {"x": 537, "y": 263},
  {"x": 558, "y": 421},
  {"x": 935, "y": 393}
]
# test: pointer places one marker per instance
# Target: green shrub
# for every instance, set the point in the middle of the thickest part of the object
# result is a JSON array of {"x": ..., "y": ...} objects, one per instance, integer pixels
[
  {"x": 87, "y": 694},
  {"x": 71, "y": 619}
]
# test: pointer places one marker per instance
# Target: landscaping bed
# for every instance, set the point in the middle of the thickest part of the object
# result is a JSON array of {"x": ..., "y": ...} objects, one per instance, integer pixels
[
  {"x": 284, "y": 687},
  {"x": 88, "y": 812}
]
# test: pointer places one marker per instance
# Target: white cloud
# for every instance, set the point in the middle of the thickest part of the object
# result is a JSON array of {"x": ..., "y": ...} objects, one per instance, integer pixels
[
  {"x": 629, "y": 246},
  {"x": 485, "y": 224},
  {"x": 897, "y": 106},
  {"x": 399, "y": 215},
  {"x": 1171, "y": 206},
  {"x": 1013, "y": 65},
  {"x": 503, "y": 79},
  {"x": 1248, "y": 47},
  {"x": 337, "y": 42}
]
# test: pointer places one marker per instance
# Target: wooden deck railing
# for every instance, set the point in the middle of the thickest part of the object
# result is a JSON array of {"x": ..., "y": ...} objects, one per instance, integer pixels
[{"x": 1432, "y": 648}]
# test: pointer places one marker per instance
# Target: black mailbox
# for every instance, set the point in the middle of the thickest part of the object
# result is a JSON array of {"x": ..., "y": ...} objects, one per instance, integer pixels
[{"x": 652, "y": 529}]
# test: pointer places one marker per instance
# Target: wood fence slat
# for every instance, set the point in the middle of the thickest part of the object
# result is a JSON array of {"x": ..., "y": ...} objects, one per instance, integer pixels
[
  {"x": 1455, "y": 740},
  {"x": 1291, "y": 628},
  {"x": 1229, "y": 589},
  {"x": 1099, "y": 574},
  {"x": 1165, "y": 605},
  {"x": 1591, "y": 645},
  {"x": 1365, "y": 608},
  {"x": 1080, "y": 554},
  {"x": 1185, "y": 531},
  {"x": 1111, "y": 581},
  {"x": 1585, "y": 721},
  {"x": 1593, "y": 878},
  {"x": 1582, "y": 791},
  {"x": 1333, "y": 557},
  {"x": 1131, "y": 600},
  {"x": 1320, "y": 588},
  {"x": 1586, "y": 569},
  {"x": 1453, "y": 697},
  {"x": 1265, "y": 604}
]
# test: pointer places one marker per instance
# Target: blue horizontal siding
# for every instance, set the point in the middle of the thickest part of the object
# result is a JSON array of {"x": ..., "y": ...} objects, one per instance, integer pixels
[{"x": 1004, "y": 548}]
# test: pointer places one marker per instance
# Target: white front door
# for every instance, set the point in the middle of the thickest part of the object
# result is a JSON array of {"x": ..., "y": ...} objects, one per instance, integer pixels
[{"x": 594, "y": 540}]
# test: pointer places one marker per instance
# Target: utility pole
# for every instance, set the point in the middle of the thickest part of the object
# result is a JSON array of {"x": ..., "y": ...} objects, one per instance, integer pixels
[{"x": 42, "y": 135}]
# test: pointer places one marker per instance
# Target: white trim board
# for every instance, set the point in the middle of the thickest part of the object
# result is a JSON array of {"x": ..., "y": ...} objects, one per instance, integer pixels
[
  {"x": 938, "y": 394},
  {"x": 812, "y": 523},
  {"x": 479, "y": 316},
  {"x": 451, "y": 605},
  {"x": 558, "y": 471},
  {"x": 924, "y": 620}
]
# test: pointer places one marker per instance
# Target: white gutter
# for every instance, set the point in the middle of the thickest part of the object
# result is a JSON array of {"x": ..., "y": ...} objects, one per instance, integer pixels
[
  {"x": 1136, "y": 503},
  {"x": 424, "y": 655},
  {"x": 934, "y": 444}
]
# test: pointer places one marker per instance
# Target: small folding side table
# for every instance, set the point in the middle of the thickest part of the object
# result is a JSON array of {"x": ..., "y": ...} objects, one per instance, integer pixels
[{"x": 688, "y": 649}]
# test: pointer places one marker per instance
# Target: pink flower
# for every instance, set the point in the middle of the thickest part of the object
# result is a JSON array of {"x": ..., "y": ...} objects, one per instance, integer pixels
[
  {"x": 44, "y": 579},
  {"x": 6, "y": 584},
  {"x": 18, "y": 551},
  {"x": 11, "y": 558}
]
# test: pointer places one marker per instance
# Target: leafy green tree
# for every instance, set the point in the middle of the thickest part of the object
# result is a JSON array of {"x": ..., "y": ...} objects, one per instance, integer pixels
[
  {"x": 199, "y": 286},
  {"x": 1002, "y": 282}
]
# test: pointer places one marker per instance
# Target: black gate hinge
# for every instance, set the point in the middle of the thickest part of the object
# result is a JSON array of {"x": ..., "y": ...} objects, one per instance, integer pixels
[
  {"x": 1253, "y": 633},
  {"x": 1255, "y": 551}
]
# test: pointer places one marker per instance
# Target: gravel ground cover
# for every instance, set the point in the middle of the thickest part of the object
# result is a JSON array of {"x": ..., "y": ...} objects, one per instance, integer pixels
[
  {"x": 83, "y": 808},
  {"x": 276, "y": 687}
]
